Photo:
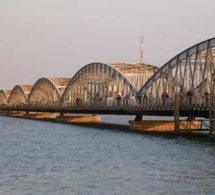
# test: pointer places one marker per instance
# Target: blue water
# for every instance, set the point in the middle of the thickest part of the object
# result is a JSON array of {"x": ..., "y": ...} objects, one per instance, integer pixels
[{"x": 48, "y": 158}]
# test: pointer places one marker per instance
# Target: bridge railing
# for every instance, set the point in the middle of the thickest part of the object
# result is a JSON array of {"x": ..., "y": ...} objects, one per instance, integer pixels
[
  {"x": 190, "y": 101},
  {"x": 184, "y": 101},
  {"x": 122, "y": 103}
]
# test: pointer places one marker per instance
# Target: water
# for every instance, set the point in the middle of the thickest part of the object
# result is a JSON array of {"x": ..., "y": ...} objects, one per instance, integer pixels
[{"x": 47, "y": 158}]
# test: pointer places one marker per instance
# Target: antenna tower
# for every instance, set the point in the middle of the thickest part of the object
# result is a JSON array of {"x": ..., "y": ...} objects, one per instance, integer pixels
[{"x": 141, "y": 48}]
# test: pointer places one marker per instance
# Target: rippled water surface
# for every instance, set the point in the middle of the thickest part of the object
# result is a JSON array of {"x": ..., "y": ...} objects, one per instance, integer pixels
[{"x": 48, "y": 158}]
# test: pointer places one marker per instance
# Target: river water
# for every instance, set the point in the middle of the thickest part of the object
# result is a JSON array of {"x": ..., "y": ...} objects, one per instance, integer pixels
[{"x": 49, "y": 158}]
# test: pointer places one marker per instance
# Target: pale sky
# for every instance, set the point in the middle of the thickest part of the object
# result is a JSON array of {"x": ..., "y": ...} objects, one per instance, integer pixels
[{"x": 55, "y": 38}]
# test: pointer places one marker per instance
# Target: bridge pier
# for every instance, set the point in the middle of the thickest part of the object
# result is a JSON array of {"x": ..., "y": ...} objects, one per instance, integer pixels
[
  {"x": 41, "y": 116},
  {"x": 212, "y": 115},
  {"x": 13, "y": 113},
  {"x": 152, "y": 126},
  {"x": 79, "y": 119},
  {"x": 166, "y": 126},
  {"x": 176, "y": 114},
  {"x": 138, "y": 117}
]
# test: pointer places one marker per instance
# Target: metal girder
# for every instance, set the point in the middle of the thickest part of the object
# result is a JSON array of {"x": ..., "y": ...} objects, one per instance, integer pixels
[
  {"x": 104, "y": 72},
  {"x": 19, "y": 94},
  {"x": 3, "y": 97},
  {"x": 188, "y": 65},
  {"x": 46, "y": 86}
]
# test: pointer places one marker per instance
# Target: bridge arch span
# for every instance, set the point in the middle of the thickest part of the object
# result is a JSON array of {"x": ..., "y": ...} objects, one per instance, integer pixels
[
  {"x": 4, "y": 96},
  {"x": 191, "y": 70},
  {"x": 99, "y": 80},
  {"x": 48, "y": 90},
  {"x": 19, "y": 94}
]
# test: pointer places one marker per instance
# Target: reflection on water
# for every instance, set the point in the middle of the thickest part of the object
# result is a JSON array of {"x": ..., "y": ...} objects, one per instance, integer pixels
[{"x": 48, "y": 158}]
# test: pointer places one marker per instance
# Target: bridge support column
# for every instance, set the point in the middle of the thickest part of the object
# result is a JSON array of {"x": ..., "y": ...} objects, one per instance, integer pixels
[
  {"x": 41, "y": 116},
  {"x": 152, "y": 126},
  {"x": 176, "y": 115},
  {"x": 191, "y": 118},
  {"x": 138, "y": 117},
  {"x": 79, "y": 119},
  {"x": 212, "y": 115}
]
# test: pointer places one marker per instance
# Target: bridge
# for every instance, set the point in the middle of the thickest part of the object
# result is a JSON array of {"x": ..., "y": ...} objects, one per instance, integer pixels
[{"x": 182, "y": 87}]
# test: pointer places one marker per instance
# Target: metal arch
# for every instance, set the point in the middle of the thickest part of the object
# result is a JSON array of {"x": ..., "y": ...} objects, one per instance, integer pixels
[
  {"x": 177, "y": 59},
  {"x": 121, "y": 76},
  {"x": 41, "y": 80},
  {"x": 4, "y": 94},
  {"x": 114, "y": 70},
  {"x": 23, "y": 92}
]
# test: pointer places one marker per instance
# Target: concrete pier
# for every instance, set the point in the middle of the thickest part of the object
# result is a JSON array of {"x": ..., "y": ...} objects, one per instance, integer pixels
[
  {"x": 164, "y": 126},
  {"x": 79, "y": 119},
  {"x": 31, "y": 115},
  {"x": 41, "y": 116},
  {"x": 13, "y": 114},
  {"x": 55, "y": 117}
]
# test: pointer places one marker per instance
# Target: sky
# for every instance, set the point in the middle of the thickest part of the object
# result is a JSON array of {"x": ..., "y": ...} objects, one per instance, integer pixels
[{"x": 56, "y": 38}]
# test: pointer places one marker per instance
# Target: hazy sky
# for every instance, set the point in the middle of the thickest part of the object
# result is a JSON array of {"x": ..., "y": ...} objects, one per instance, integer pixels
[{"x": 55, "y": 38}]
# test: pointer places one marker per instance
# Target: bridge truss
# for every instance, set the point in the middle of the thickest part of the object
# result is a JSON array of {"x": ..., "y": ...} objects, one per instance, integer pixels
[
  {"x": 47, "y": 90},
  {"x": 19, "y": 94},
  {"x": 189, "y": 76},
  {"x": 191, "y": 70},
  {"x": 4, "y": 96},
  {"x": 97, "y": 81}
]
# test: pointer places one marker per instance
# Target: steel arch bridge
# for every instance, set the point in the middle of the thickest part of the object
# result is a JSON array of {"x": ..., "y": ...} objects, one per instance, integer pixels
[
  {"x": 191, "y": 70},
  {"x": 99, "y": 80},
  {"x": 19, "y": 94},
  {"x": 188, "y": 79},
  {"x": 47, "y": 90},
  {"x": 4, "y": 96}
]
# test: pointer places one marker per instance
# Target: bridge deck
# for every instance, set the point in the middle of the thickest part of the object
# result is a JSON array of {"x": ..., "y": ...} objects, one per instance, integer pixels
[{"x": 186, "y": 111}]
